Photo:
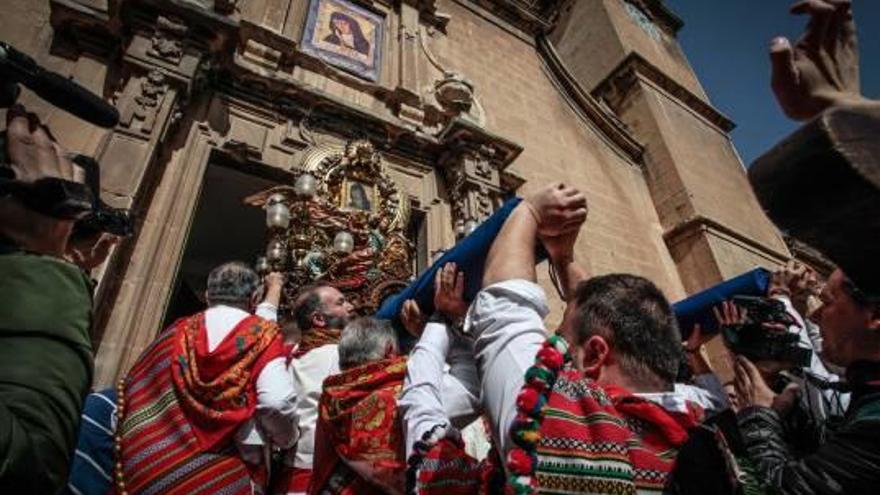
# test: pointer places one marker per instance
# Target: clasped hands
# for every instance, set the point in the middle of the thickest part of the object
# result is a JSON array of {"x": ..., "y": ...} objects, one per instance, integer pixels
[{"x": 559, "y": 210}]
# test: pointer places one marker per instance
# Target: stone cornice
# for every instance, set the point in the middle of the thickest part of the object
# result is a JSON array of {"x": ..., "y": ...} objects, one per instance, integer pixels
[
  {"x": 617, "y": 86},
  {"x": 330, "y": 113},
  {"x": 586, "y": 105},
  {"x": 658, "y": 11},
  {"x": 700, "y": 223},
  {"x": 531, "y": 16},
  {"x": 195, "y": 46}
]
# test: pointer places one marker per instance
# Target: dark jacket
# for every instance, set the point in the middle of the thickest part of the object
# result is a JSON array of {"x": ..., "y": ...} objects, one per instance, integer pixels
[
  {"x": 45, "y": 368},
  {"x": 848, "y": 463}
]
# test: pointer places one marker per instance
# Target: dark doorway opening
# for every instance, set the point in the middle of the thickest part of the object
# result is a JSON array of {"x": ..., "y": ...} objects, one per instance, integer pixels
[{"x": 223, "y": 229}]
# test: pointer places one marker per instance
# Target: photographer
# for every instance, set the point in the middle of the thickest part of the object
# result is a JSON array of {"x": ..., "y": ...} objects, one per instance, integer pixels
[
  {"x": 794, "y": 286},
  {"x": 770, "y": 333},
  {"x": 817, "y": 73},
  {"x": 849, "y": 459},
  {"x": 46, "y": 355}
]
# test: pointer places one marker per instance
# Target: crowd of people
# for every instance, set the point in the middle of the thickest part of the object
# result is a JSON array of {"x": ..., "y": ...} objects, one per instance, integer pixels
[{"x": 238, "y": 399}]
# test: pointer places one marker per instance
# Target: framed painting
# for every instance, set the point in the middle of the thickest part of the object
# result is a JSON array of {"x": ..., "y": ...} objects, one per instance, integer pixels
[
  {"x": 345, "y": 35},
  {"x": 358, "y": 195}
]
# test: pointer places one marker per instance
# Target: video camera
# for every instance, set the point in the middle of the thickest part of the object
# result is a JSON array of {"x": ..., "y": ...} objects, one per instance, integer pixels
[
  {"x": 51, "y": 196},
  {"x": 758, "y": 343}
]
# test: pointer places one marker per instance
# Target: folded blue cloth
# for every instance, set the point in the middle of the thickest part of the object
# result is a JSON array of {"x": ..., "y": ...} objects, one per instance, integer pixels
[
  {"x": 470, "y": 256},
  {"x": 698, "y": 308}
]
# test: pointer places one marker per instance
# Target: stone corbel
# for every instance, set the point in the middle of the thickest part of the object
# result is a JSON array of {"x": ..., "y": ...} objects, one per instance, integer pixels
[
  {"x": 428, "y": 14},
  {"x": 91, "y": 26}
]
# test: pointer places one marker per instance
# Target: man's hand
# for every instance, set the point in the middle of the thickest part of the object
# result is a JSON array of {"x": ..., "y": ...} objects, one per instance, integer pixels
[
  {"x": 561, "y": 247},
  {"x": 89, "y": 253},
  {"x": 558, "y": 209},
  {"x": 797, "y": 280},
  {"x": 32, "y": 152},
  {"x": 752, "y": 390},
  {"x": 274, "y": 280},
  {"x": 412, "y": 319},
  {"x": 449, "y": 292},
  {"x": 729, "y": 314},
  {"x": 693, "y": 349},
  {"x": 33, "y": 155},
  {"x": 822, "y": 69},
  {"x": 274, "y": 283}
]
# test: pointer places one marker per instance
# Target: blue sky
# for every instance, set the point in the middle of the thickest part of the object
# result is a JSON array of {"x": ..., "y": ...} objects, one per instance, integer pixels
[{"x": 726, "y": 42}]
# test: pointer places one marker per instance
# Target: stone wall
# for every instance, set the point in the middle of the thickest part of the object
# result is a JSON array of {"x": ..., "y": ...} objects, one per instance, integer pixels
[
  {"x": 623, "y": 232},
  {"x": 604, "y": 102}
]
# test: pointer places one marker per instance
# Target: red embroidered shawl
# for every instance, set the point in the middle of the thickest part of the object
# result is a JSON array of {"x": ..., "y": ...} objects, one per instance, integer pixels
[
  {"x": 179, "y": 406},
  {"x": 359, "y": 423},
  {"x": 314, "y": 338},
  {"x": 217, "y": 389},
  {"x": 444, "y": 468}
]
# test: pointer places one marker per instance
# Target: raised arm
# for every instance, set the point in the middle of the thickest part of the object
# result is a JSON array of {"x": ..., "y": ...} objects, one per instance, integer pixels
[
  {"x": 268, "y": 308},
  {"x": 553, "y": 211},
  {"x": 507, "y": 315},
  {"x": 428, "y": 392}
]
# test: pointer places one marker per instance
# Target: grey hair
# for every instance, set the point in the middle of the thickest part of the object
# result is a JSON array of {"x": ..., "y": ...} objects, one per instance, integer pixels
[
  {"x": 231, "y": 283},
  {"x": 365, "y": 340}
]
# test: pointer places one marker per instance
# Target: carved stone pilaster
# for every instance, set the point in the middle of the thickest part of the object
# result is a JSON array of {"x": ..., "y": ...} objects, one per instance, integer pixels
[{"x": 474, "y": 185}]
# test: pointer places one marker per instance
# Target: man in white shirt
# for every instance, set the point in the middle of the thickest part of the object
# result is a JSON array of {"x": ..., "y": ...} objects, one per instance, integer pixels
[
  {"x": 217, "y": 374},
  {"x": 624, "y": 354},
  {"x": 320, "y": 312}
]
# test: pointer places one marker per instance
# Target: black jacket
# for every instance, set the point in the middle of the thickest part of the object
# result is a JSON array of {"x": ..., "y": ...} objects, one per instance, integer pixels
[{"x": 848, "y": 463}]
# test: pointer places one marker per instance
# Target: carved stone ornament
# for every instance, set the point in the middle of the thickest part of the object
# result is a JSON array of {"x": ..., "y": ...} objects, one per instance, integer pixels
[
  {"x": 166, "y": 43},
  {"x": 144, "y": 105},
  {"x": 347, "y": 227},
  {"x": 472, "y": 181},
  {"x": 454, "y": 92}
]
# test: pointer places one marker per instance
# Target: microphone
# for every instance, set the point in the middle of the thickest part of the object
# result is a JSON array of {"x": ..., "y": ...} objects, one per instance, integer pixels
[{"x": 16, "y": 67}]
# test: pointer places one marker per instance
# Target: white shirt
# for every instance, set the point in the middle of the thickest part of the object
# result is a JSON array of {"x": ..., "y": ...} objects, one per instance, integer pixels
[
  {"x": 821, "y": 403},
  {"x": 433, "y": 396},
  {"x": 308, "y": 373},
  {"x": 507, "y": 319},
  {"x": 275, "y": 416},
  {"x": 706, "y": 391}
]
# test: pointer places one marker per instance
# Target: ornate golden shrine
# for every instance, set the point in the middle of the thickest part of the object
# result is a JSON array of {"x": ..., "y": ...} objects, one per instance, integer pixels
[{"x": 343, "y": 221}]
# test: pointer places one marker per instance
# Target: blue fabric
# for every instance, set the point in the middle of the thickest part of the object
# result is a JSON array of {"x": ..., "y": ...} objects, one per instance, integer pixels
[
  {"x": 91, "y": 471},
  {"x": 470, "y": 256},
  {"x": 698, "y": 308}
]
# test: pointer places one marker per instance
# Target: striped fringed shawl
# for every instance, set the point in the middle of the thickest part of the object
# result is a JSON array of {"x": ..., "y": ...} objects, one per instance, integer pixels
[
  {"x": 573, "y": 436},
  {"x": 159, "y": 452}
]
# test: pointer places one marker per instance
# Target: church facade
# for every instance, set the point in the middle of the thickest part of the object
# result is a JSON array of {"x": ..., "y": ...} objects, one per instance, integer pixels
[{"x": 466, "y": 101}]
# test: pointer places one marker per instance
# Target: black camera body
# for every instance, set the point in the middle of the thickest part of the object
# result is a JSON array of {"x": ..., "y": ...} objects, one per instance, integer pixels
[{"x": 752, "y": 340}]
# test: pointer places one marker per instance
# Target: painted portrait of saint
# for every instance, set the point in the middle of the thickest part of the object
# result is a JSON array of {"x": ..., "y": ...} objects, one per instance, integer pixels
[
  {"x": 347, "y": 32},
  {"x": 359, "y": 197},
  {"x": 345, "y": 35}
]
